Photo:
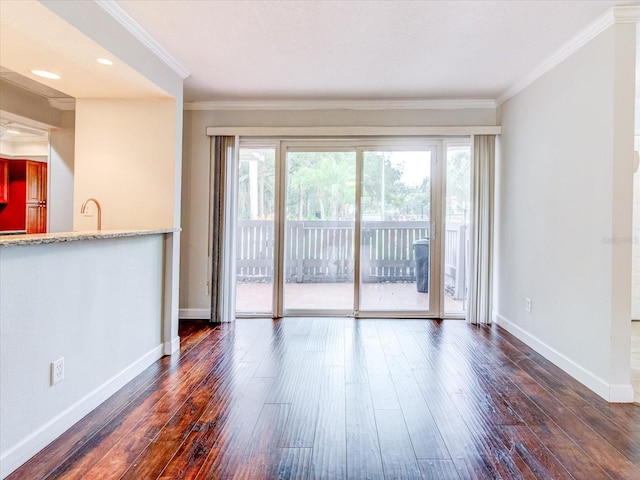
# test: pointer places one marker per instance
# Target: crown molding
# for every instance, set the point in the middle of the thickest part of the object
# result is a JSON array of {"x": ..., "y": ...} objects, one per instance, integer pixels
[
  {"x": 27, "y": 133},
  {"x": 7, "y": 118},
  {"x": 63, "y": 103},
  {"x": 133, "y": 27},
  {"x": 619, "y": 14},
  {"x": 341, "y": 105},
  {"x": 30, "y": 138},
  {"x": 626, "y": 13}
]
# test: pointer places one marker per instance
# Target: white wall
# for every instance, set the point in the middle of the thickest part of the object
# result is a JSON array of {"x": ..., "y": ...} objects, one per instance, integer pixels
[
  {"x": 125, "y": 157},
  {"x": 30, "y": 148},
  {"x": 61, "y": 160},
  {"x": 564, "y": 212},
  {"x": 635, "y": 247},
  {"x": 93, "y": 20},
  {"x": 97, "y": 304},
  {"x": 194, "y": 298},
  {"x": 135, "y": 146},
  {"x": 635, "y": 283}
]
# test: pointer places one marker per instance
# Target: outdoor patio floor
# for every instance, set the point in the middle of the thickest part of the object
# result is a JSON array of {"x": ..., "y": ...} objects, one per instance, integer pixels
[{"x": 392, "y": 297}]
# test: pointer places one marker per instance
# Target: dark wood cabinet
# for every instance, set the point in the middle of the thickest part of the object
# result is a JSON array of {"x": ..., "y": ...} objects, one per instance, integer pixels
[
  {"x": 34, "y": 181},
  {"x": 26, "y": 208},
  {"x": 4, "y": 180},
  {"x": 36, "y": 218},
  {"x": 36, "y": 201}
]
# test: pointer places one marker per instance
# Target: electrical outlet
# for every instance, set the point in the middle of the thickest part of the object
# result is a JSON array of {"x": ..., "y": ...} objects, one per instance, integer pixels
[
  {"x": 88, "y": 210},
  {"x": 57, "y": 370},
  {"x": 528, "y": 305}
]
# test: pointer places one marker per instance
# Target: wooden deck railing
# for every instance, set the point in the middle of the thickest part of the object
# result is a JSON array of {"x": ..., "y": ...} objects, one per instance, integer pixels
[
  {"x": 323, "y": 251},
  {"x": 455, "y": 257},
  {"x": 387, "y": 250}
]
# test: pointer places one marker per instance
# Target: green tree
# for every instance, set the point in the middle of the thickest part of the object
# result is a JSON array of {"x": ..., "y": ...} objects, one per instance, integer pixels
[
  {"x": 386, "y": 195},
  {"x": 320, "y": 185},
  {"x": 458, "y": 185},
  {"x": 256, "y": 184}
]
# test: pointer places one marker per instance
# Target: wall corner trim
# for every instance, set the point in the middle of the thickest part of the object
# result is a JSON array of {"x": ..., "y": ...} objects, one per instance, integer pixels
[
  {"x": 621, "y": 393},
  {"x": 172, "y": 346},
  {"x": 611, "y": 393},
  {"x": 618, "y": 14},
  {"x": 18, "y": 454},
  {"x": 133, "y": 27}
]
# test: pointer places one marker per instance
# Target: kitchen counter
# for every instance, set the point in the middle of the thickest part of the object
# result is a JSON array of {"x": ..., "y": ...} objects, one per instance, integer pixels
[
  {"x": 45, "y": 238},
  {"x": 99, "y": 303}
]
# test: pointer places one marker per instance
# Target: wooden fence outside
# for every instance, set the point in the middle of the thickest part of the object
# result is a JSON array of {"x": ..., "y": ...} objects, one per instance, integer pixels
[
  {"x": 456, "y": 246},
  {"x": 323, "y": 251}
]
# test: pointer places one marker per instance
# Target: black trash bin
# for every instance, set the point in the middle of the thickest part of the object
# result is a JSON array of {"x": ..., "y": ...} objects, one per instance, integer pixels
[{"x": 421, "y": 253}]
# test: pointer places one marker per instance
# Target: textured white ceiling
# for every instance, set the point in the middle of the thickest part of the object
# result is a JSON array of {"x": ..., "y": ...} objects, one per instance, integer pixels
[
  {"x": 32, "y": 36},
  {"x": 360, "y": 50}
]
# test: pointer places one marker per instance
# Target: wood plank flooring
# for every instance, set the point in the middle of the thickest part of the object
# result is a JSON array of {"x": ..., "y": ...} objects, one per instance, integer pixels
[{"x": 348, "y": 399}]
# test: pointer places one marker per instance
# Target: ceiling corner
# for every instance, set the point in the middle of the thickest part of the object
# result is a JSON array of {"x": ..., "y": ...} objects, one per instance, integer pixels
[
  {"x": 133, "y": 27},
  {"x": 599, "y": 25}
]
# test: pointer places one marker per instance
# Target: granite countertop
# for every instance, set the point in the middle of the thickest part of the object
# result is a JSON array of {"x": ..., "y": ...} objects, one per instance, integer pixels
[{"x": 44, "y": 238}]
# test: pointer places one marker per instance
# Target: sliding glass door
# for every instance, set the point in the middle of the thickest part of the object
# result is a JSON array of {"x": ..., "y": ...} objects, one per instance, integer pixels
[
  {"x": 456, "y": 228},
  {"x": 396, "y": 246},
  {"x": 255, "y": 232},
  {"x": 318, "y": 232},
  {"x": 350, "y": 227}
]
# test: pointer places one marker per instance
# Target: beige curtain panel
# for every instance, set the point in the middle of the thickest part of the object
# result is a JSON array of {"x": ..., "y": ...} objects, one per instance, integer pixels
[
  {"x": 481, "y": 237},
  {"x": 222, "y": 151}
]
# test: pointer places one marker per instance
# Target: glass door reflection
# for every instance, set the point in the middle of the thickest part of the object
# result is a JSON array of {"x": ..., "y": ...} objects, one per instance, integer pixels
[
  {"x": 395, "y": 238},
  {"x": 319, "y": 231}
]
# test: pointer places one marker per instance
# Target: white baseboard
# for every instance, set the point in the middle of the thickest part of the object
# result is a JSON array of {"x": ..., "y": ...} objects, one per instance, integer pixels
[
  {"x": 194, "y": 314},
  {"x": 611, "y": 393},
  {"x": 172, "y": 346},
  {"x": 18, "y": 454},
  {"x": 621, "y": 394}
]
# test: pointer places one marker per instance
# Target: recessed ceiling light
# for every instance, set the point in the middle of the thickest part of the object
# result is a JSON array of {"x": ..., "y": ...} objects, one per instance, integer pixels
[
  {"x": 13, "y": 132},
  {"x": 104, "y": 61},
  {"x": 45, "y": 74}
]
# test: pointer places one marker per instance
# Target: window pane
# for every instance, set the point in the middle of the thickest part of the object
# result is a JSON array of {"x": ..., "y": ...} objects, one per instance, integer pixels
[
  {"x": 320, "y": 220},
  {"x": 255, "y": 237},
  {"x": 456, "y": 242},
  {"x": 395, "y": 247}
]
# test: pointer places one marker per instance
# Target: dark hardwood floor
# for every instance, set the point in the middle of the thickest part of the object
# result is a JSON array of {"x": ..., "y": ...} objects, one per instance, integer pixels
[{"x": 343, "y": 398}]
